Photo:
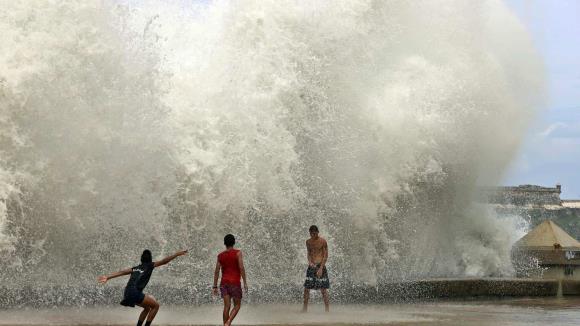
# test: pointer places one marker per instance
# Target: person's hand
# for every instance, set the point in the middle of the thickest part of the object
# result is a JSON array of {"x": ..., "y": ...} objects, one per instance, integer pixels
[
  {"x": 215, "y": 291},
  {"x": 245, "y": 287},
  {"x": 311, "y": 264},
  {"x": 319, "y": 272},
  {"x": 181, "y": 253},
  {"x": 103, "y": 279}
]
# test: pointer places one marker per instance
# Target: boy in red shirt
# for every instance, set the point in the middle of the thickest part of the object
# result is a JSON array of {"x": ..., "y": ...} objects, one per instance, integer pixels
[{"x": 231, "y": 263}]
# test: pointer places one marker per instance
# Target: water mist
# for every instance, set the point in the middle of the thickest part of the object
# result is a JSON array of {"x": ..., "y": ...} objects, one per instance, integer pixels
[{"x": 165, "y": 126}]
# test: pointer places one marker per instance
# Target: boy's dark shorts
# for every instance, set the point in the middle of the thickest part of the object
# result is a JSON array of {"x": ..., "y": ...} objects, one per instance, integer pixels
[
  {"x": 234, "y": 291},
  {"x": 132, "y": 297},
  {"x": 314, "y": 282}
]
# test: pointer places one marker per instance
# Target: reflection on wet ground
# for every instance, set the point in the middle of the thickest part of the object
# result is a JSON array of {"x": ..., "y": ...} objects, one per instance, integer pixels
[{"x": 520, "y": 311}]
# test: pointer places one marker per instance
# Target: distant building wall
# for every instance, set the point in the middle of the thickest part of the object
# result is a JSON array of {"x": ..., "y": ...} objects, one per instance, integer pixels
[
  {"x": 571, "y": 203},
  {"x": 525, "y": 195},
  {"x": 536, "y": 204}
]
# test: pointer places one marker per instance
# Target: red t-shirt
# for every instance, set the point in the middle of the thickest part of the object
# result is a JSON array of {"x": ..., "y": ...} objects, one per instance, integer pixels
[{"x": 230, "y": 268}]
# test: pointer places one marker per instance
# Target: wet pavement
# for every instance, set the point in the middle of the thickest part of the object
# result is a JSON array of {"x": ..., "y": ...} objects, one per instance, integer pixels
[{"x": 517, "y": 311}]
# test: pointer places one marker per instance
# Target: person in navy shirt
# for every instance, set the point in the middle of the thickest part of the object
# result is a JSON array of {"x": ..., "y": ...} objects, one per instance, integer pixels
[{"x": 140, "y": 275}]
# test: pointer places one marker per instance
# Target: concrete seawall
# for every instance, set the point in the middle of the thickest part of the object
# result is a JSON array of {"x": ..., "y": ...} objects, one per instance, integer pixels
[
  {"x": 456, "y": 288},
  {"x": 459, "y": 288},
  {"x": 419, "y": 290},
  {"x": 570, "y": 287}
]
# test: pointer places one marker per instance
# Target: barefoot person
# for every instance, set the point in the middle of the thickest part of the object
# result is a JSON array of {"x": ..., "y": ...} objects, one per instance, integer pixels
[
  {"x": 231, "y": 263},
  {"x": 139, "y": 278},
  {"x": 316, "y": 274}
]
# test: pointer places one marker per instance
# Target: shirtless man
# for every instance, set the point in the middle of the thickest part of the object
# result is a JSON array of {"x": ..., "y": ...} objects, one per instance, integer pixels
[{"x": 316, "y": 274}]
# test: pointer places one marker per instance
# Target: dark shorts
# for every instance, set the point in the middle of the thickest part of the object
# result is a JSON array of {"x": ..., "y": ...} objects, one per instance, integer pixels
[
  {"x": 132, "y": 297},
  {"x": 234, "y": 291},
  {"x": 315, "y": 282}
]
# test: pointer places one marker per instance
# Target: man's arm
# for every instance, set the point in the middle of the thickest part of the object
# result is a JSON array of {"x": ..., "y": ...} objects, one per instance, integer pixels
[
  {"x": 169, "y": 258},
  {"x": 242, "y": 270},
  {"x": 216, "y": 275},
  {"x": 324, "y": 253},
  {"x": 309, "y": 254},
  {"x": 105, "y": 278},
  {"x": 324, "y": 258}
]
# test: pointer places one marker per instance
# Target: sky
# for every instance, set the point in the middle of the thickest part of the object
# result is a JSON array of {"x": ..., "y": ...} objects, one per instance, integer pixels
[{"x": 551, "y": 152}]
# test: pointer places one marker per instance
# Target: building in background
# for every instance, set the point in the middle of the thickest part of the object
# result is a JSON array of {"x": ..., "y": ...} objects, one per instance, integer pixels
[
  {"x": 535, "y": 204},
  {"x": 552, "y": 249}
]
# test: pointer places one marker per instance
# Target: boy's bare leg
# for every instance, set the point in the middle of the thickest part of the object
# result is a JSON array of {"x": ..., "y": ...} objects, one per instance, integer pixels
[
  {"x": 151, "y": 305},
  {"x": 144, "y": 314},
  {"x": 306, "y": 298},
  {"x": 237, "y": 306},
  {"x": 227, "y": 305},
  {"x": 326, "y": 300}
]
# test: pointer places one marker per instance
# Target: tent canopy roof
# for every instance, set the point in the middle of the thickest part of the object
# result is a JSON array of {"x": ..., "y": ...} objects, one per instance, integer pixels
[{"x": 548, "y": 235}]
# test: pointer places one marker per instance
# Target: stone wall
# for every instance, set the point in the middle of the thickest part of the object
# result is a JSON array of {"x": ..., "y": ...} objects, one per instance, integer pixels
[
  {"x": 567, "y": 218},
  {"x": 535, "y": 204},
  {"x": 524, "y": 195}
]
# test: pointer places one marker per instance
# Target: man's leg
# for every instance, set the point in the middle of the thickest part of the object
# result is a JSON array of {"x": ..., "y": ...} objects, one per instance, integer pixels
[
  {"x": 227, "y": 305},
  {"x": 237, "y": 306},
  {"x": 150, "y": 303},
  {"x": 325, "y": 298},
  {"x": 306, "y": 298}
]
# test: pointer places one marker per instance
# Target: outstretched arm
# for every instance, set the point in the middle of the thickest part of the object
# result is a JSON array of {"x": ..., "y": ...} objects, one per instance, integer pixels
[
  {"x": 105, "y": 278},
  {"x": 242, "y": 270},
  {"x": 169, "y": 258}
]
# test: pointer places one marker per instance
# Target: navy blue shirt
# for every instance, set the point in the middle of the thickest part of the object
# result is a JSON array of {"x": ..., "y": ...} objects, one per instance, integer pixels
[{"x": 140, "y": 276}]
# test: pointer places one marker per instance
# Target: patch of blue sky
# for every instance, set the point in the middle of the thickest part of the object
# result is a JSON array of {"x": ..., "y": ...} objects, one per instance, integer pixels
[{"x": 551, "y": 152}]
